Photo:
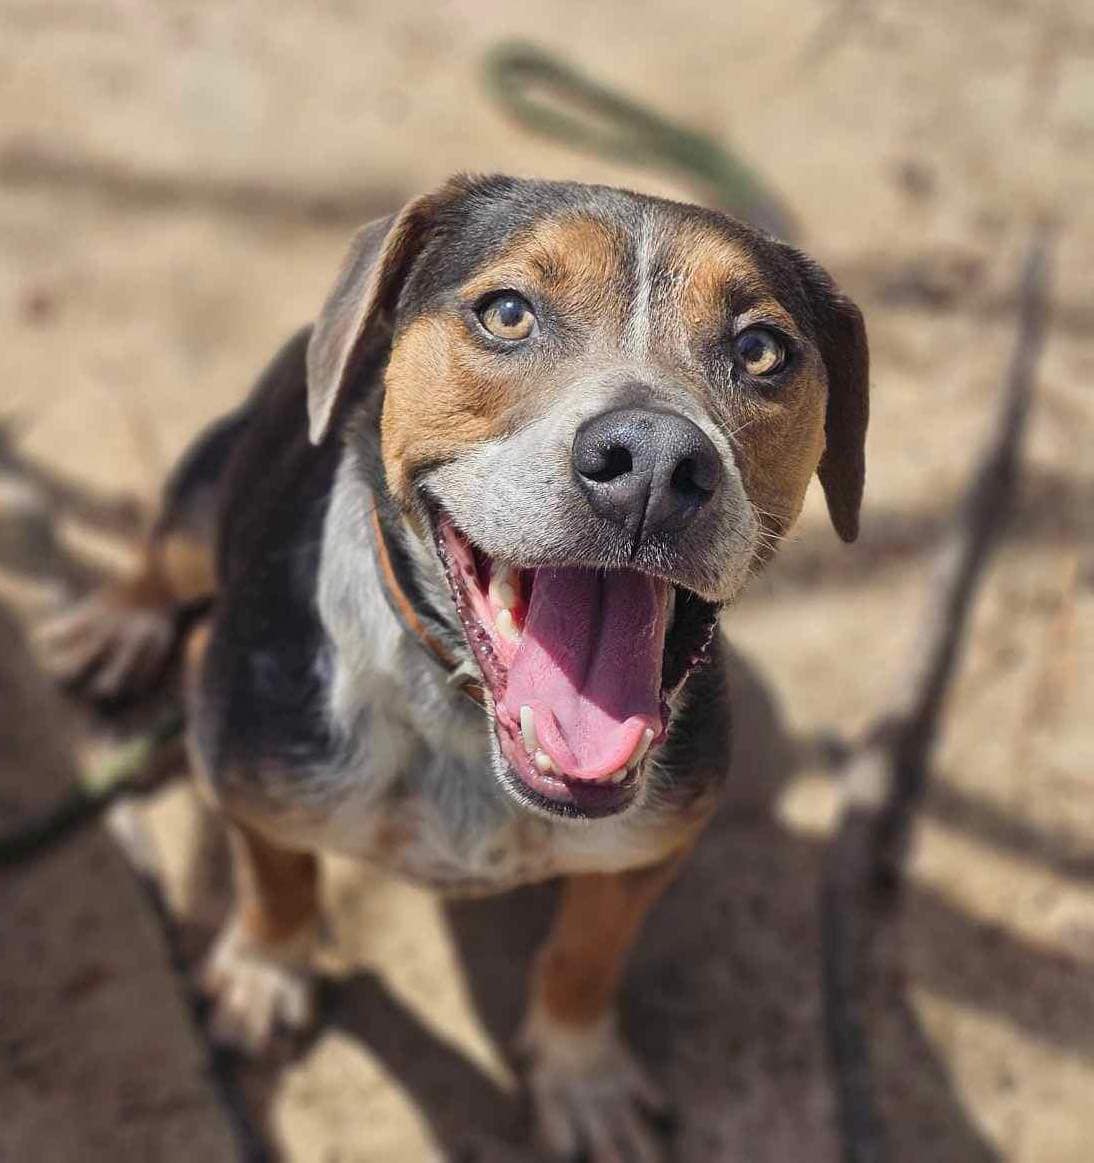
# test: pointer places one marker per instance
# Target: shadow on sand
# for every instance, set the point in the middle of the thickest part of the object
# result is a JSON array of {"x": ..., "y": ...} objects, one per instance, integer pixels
[{"x": 722, "y": 997}]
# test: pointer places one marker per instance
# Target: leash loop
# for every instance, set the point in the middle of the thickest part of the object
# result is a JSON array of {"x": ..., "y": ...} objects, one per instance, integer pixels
[{"x": 549, "y": 97}]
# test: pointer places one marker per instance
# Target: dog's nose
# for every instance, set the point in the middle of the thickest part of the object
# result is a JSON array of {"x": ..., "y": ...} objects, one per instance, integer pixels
[{"x": 650, "y": 471}]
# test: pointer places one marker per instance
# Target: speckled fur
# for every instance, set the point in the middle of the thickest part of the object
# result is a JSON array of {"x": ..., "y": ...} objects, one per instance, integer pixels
[
  {"x": 320, "y": 724},
  {"x": 405, "y": 785}
]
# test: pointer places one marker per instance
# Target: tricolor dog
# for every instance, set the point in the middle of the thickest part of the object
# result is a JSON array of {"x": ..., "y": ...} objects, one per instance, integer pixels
[{"x": 463, "y": 552}]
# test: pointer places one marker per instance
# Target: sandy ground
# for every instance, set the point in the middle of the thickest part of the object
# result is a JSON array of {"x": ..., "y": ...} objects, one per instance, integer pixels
[{"x": 177, "y": 182}]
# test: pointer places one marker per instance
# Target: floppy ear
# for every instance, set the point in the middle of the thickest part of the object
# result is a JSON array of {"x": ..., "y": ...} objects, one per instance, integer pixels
[
  {"x": 357, "y": 319},
  {"x": 841, "y": 336},
  {"x": 842, "y": 468}
]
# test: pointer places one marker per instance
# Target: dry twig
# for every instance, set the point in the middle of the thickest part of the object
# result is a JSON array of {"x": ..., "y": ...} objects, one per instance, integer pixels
[{"x": 883, "y": 780}]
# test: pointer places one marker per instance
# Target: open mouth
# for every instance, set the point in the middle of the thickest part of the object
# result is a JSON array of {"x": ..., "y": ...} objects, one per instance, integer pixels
[{"x": 580, "y": 664}]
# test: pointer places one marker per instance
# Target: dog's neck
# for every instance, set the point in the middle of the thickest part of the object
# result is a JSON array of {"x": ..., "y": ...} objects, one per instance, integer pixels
[
  {"x": 378, "y": 665},
  {"x": 408, "y": 574}
]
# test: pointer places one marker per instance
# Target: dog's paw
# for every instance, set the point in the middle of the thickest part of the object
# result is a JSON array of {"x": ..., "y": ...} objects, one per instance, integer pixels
[
  {"x": 257, "y": 993},
  {"x": 108, "y": 647},
  {"x": 590, "y": 1095}
]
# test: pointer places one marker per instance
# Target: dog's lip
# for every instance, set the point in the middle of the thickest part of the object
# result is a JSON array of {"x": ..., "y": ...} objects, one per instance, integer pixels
[
  {"x": 550, "y": 790},
  {"x": 556, "y": 794}
]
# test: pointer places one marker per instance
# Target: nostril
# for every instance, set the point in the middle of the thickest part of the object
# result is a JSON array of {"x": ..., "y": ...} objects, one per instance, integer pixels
[
  {"x": 694, "y": 478},
  {"x": 683, "y": 479},
  {"x": 612, "y": 461},
  {"x": 646, "y": 469}
]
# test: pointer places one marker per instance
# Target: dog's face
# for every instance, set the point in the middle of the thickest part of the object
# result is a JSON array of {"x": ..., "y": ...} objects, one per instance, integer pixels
[{"x": 604, "y": 411}]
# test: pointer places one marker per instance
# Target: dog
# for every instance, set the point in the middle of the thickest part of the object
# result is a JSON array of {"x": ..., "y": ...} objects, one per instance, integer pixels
[{"x": 449, "y": 584}]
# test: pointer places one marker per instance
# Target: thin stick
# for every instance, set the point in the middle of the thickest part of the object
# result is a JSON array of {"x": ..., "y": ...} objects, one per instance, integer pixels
[{"x": 883, "y": 781}]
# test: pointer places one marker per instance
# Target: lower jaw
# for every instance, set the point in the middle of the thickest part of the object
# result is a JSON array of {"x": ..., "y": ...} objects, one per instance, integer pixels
[
  {"x": 553, "y": 794},
  {"x": 694, "y": 622},
  {"x": 588, "y": 802}
]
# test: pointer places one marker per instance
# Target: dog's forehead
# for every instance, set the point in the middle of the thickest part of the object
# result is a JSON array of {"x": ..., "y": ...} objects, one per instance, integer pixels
[{"x": 567, "y": 239}]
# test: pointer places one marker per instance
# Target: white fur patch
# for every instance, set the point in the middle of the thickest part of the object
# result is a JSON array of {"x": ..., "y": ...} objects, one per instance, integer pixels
[
  {"x": 413, "y": 789},
  {"x": 257, "y": 990},
  {"x": 588, "y": 1089}
]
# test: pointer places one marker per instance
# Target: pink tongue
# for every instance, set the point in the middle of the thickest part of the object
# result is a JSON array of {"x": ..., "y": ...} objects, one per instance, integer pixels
[{"x": 589, "y": 666}]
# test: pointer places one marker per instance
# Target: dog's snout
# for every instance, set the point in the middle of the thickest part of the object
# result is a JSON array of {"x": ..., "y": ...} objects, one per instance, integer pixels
[{"x": 648, "y": 470}]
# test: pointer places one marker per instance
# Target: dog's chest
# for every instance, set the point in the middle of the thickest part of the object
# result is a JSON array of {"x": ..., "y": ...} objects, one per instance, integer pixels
[
  {"x": 415, "y": 793},
  {"x": 444, "y": 822},
  {"x": 412, "y": 838}
]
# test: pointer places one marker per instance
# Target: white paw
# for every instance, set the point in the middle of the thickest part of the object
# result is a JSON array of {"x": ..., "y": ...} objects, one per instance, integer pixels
[
  {"x": 257, "y": 992},
  {"x": 108, "y": 647},
  {"x": 589, "y": 1094}
]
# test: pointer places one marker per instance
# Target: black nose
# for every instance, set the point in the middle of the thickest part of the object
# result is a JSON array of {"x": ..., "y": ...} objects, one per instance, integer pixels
[{"x": 647, "y": 470}]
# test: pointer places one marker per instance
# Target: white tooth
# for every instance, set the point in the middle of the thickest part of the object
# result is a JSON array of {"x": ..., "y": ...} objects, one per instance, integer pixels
[
  {"x": 618, "y": 776},
  {"x": 506, "y": 627},
  {"x": 502, "y": 588},
  {"x": 545, "y": 763},
  {"x": 641, "y": 748},
  {"x": 670, "y": 607},
  {"x": 528, "y": 729}
]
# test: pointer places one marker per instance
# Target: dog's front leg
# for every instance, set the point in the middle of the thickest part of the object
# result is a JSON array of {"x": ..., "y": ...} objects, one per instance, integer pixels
[
  {"x": 589, "y": 1092},
  {"x": 259, "y": 974}
]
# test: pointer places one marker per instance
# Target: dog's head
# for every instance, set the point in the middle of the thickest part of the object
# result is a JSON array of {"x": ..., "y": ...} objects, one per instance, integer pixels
[{"x": 601, "y": 411}]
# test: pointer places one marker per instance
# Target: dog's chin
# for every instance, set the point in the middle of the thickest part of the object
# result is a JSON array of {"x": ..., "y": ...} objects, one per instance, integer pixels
[
  {"x": 580, "y": 665},
  {"x": 553, "y": 794},
  {"x": 556, "y": 797}
]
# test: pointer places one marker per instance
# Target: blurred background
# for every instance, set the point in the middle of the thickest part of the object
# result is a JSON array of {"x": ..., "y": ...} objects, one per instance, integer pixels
[{"x": 178, "y": 181}]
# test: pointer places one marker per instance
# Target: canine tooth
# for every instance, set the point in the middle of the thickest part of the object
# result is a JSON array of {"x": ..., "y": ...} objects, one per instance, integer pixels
[
  {"x": 502, "y": 590},
  {"x": 545, "y": 763},
  {"x": 506, "y": 627},
  {"x": 618, "y": 776},
  {"x": 528, "y": 729},
  {"x": 641, "y": 748}
]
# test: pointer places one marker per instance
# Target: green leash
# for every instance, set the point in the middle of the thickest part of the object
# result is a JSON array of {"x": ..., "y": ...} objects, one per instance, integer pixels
[
  {"x": 123, "y": 772},
  {"x": 550, "y": 98}
]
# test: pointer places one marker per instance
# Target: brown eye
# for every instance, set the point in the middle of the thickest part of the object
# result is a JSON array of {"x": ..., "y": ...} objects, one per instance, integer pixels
[
  {"x": 759, "y": 351},
  {"x": 508, "y": 316}
]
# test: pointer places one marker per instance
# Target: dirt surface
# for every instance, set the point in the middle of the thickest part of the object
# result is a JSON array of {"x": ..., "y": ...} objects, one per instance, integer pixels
[
  {"x": 98, "y": 1057},
  {"x": 177, "y": 183}
]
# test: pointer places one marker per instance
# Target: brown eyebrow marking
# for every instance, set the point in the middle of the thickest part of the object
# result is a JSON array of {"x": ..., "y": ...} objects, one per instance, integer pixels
[
  {"x": 744, "y": 298},
  {"x": 583, "y": 264},
  {"x": 707, "y": 279}
]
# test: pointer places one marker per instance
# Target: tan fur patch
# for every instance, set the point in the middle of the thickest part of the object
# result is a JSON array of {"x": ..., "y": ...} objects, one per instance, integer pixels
[
  {"x": 175, "y": 569},
  {"x": 575, "y": 260},
  {"x": 197, "y": 642},
  {"x": 578, "y": 971},
  {"x": 276, "y": 890},
  {"x": 442, "y": 394},
  {"x": 778, "y": 441},
  {"x": 780, "y": 453},
  {"x": 187, "y": 566},
  {"x": 445, "y": 393},
  {"x": 711, "y": 273}
]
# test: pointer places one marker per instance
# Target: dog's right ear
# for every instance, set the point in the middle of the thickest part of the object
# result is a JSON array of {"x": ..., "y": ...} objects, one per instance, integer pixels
[
  {"x": 841, "y": 337},
  {"x": 358, "y": 316}
]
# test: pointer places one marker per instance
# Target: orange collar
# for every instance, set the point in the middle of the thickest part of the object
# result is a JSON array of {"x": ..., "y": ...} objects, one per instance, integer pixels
[{"x": 411, "y": 620}]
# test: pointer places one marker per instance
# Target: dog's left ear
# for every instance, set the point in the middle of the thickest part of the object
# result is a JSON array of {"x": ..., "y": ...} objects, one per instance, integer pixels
[
  {"x": 841, "y": 336},
  {"x": 356, "y": 322}
]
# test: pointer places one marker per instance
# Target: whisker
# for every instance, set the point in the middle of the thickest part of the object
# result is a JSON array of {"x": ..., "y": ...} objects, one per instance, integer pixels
[{"x": 732, "y": 436}]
